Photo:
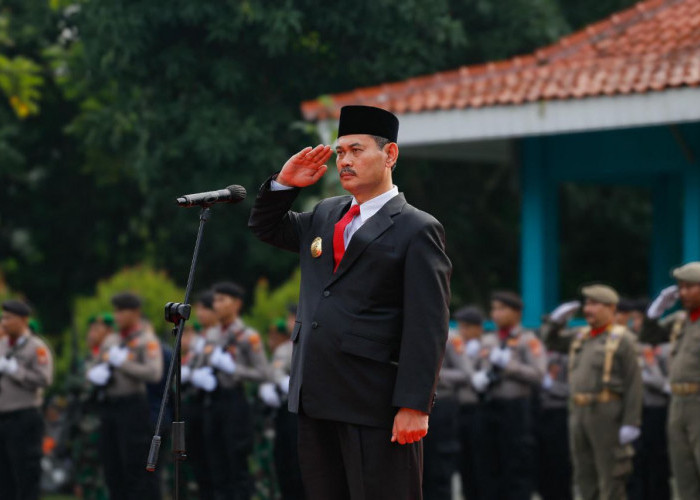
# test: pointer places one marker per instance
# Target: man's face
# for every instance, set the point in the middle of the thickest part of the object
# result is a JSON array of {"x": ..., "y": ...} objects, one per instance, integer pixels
[
  {"x": 598, "y": 314},
  {"x": 96, "y": 334},
  {"x": 504, "y": 316},
  {"x": 623, "y": 318},
  {"x": 14, "y": 324},
  {"x": 636, "y": 321},
  {"x": 226, "y": 306},
  {"x": 362, "y": 166},
  {"x": 291, "y": 321},
  {"x": 689, "y": 294},
  {"x": 468, "y": 331},
  {"x": 127, "y": 318},
  {"x": 205, "y": 316}
]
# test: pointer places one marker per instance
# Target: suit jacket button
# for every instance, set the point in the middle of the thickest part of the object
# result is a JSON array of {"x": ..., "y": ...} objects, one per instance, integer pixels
[
  {"x": 314, "y": 325},
  {"x": 326, "y": 293}
]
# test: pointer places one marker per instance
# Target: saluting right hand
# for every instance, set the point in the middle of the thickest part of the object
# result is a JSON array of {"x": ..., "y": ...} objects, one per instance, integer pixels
[
  {"x": 663, "y": 302},
  {"x": 306, "y": 167}
]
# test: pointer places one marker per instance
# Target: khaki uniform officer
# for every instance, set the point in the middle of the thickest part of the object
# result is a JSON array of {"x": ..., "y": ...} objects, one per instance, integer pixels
[
  {"x": 26, "y": 369},
  {"x": 128, "y": 359},
  {"x": 684, "y": 375},
  {"x": 606, "y": 399}
]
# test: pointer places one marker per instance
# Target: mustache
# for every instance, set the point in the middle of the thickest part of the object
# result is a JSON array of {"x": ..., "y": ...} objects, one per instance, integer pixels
[{"x": 347, "y": 170}]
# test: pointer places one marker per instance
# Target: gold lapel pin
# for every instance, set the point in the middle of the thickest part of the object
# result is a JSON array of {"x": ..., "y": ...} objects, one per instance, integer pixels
[{"x": 316, "y": 247}]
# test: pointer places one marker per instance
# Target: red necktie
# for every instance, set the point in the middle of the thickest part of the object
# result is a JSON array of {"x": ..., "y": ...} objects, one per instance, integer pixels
[{"x": 338, "y": 239}]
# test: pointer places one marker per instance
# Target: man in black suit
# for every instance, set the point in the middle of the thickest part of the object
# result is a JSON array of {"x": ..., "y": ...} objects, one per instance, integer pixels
[{"x": 373, "y": 314}]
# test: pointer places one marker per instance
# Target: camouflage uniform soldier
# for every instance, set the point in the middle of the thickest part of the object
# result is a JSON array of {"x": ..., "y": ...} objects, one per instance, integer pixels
[
  {"x": 510, "y": 364},
  {"x": 233, "y": 355},
  {"x": 26, "y": 369},
  {"x": 606, "y": 399},
  {"x": 127, "y": 361},
  {"x": 684, "y": 375}
]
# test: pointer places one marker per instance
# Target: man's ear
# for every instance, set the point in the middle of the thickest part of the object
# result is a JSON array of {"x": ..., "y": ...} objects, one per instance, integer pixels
[{"x": 392, "y": 154}]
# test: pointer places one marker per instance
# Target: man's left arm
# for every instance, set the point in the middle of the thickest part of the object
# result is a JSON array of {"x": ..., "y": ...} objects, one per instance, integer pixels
[
  {"x": 426, "y": 297},
  {"x": 632, "y": 380},
  {"x": 37, "y": 372}
]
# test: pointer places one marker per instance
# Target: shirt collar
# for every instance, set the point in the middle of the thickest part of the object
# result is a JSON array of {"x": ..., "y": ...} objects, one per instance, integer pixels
[{"x": 371, "y": 207}]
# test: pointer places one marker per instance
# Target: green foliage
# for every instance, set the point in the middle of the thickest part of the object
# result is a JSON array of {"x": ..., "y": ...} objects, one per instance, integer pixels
[
  {"x": 269, "y": 305},
  {"x": 20, "y": 78}
]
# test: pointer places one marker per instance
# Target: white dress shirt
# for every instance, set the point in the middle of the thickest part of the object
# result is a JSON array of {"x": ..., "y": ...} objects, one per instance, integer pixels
[{"x": 367, "y": 209}]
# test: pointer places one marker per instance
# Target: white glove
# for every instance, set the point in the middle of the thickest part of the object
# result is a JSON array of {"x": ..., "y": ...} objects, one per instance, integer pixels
[
  {"x": 99, "y": 374},
  {"x": 283, "y": 384},
  {"x": 10, "y": 366},
  {"x": 565, "y": 311},
  {"x": 222, "y": 361},
  {"x": 204, "y": 378},
  {"x": 547, "y": 382},
  {"x": 198, "y": 346},
  {"x": 3, "y": 364},
  {"x": 647, "y": 376},
  {"x": 268, "y": 394},
  {"x": 117, "y": 355},
  {"x": 473, "y": 348},
  {"x": 185, "y": 374},
  {"x": 480, "y": 381},
  {"x": 667, "y": 388},
  {"x": 663, "y": 302},
  {"x": 500, "y": 356},
  {"x": 628, "y": 433}
]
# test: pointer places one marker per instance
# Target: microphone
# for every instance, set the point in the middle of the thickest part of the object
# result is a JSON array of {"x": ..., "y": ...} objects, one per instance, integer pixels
[{"x": 232, "y": 194}]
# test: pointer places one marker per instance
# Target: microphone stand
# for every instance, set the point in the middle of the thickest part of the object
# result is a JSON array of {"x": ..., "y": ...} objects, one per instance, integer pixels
[{"x": 177, "y": 313}]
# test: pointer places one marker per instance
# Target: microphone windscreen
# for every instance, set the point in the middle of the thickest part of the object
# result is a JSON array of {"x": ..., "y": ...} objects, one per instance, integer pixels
[{"x": 238, "y": 193}]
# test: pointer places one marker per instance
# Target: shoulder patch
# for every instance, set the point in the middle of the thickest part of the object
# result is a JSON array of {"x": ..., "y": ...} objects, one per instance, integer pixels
[
  {"x": 255, "y": 341},
  {"x": 152, "y": 348},
  {"x": 458, "y": 344},
  {"x": 42, "y": 355},
  {"x": 535, "y": 347}
]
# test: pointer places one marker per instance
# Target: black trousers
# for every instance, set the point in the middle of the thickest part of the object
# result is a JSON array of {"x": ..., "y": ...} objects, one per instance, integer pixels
[
  {"x": 341, "y": 461},
  {"x": 554, "y": 469},
  {"x": 652, "y": 470},
  {"x": 228, "y": 438},
  {"x": 21, "y": 434},
  {"x": 124, "y": 441},
  {"x": 287, "y": 456},
  {"x": 192, "y": 413},
  {"x": 466, "y": 462},
  {"x": 504, "y": 443},
  {"x": 440, "y": 449}
]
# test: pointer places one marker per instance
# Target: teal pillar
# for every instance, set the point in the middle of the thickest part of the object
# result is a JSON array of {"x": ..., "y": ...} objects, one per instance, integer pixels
[
  {"x": 666, "y": 231},
  {"x": 539, "y": 239},
  {"x": 691, "y": 211}
]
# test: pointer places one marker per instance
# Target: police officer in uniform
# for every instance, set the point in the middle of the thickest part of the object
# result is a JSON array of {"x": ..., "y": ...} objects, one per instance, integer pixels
[
  {"x": 233, "y": 355},
  {"x": 606, "y": 398},
  {"x": 26, "y": 369},
  {"x": 274, "y": 394},
  {"x": 510, "y": 365},
  {"x": 128, "y": 359},
  {"x": 683, "y": 331}
]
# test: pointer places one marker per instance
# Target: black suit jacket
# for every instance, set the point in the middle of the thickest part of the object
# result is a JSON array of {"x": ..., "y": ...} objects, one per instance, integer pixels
[{"x": 370, "y": 337}]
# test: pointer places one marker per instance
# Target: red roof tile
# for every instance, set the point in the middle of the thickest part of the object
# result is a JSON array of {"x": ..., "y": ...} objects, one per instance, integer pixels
[{"x": 652, "y": 46}]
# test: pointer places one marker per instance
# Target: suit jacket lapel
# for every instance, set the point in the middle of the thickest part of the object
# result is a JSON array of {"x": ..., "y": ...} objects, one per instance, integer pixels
[
  {"x": 334, "y": 215},
  {"x": 370, "y": 231}
]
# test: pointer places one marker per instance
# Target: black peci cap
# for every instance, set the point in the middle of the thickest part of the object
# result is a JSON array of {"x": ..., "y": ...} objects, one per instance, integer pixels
[
  {"x": 229, "y": 288},
  {"x": 470, "y": 315},
  {"x": 510, "y": 299},
  {"x": 17, "y": 307},
  {"x": 126, "y": 301},
  {"x": 206, "y": 298},
  {"x": 368, "y": 120}
]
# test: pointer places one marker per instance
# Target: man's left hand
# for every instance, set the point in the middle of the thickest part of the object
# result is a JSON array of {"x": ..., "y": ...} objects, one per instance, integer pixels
[{"x": 410, "y": 426}]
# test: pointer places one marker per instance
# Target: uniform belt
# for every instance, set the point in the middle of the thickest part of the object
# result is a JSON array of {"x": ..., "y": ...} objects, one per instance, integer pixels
[
  {"x": 589, "y": 398},
  {"x": 685, "y": 389}
]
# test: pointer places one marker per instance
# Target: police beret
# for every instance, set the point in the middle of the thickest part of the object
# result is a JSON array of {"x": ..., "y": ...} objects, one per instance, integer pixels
[
  {"x": 229, "y": 288},
  {"x": 206, "y": 298},
  {"x": 626, "y": 305},
  {"x": 689, "y": 272},
  {"x": 280, "y": 326},
  {"x": 601, "y": 293},
  {"x": 105, "y": 318},
  {"x": 469, "y": 314},
  {"x": 368, "y": 120},
  {"x": 510, "y": 299},
  {"x": 126, "y": 301},
  {"x": 17, "y": 307}
]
